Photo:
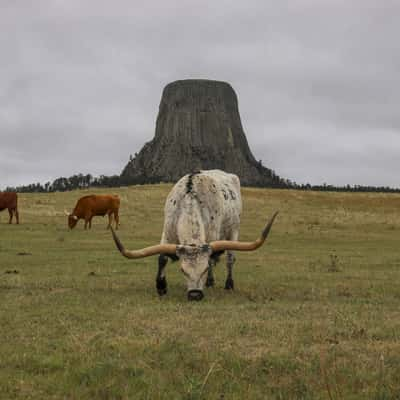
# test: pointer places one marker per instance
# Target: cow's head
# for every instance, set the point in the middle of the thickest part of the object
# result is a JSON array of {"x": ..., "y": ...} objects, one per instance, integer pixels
[
  {"x": 72, "y": 219},
  {"x": 194, "y": 259}
]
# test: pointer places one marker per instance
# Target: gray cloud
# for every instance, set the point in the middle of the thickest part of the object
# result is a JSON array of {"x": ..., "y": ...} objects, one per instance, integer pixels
[{"x": 317, "y": 82}]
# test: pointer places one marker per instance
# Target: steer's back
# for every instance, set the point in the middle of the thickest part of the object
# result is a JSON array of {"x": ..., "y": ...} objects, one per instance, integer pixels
[{"x": 207, "y": 200}]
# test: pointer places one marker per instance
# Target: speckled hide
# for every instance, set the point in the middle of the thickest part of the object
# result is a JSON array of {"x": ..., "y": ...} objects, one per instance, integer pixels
[{"x": 203, "y": 207}]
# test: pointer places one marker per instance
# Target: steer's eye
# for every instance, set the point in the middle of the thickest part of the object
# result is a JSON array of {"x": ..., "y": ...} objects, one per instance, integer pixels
[{"x": 206, "y": 270}]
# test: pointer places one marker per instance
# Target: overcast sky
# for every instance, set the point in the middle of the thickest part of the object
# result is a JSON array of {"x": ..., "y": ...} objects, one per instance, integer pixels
[{"x": 317, "y": 82}]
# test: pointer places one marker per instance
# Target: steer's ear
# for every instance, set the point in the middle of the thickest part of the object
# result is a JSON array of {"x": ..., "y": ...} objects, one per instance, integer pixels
[
  {"x": 206, "y": 248},
  {"x": 180, "y": 250}
]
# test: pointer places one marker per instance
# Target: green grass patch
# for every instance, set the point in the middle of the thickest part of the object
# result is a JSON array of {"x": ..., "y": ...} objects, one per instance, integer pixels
[{"x": 314, "y": 315}]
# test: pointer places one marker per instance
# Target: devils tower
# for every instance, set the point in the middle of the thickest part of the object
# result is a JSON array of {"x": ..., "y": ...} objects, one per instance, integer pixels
[{"x": 198, "y": 127}]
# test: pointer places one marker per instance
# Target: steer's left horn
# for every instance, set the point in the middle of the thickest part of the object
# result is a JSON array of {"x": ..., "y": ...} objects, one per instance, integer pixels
[
  {"x": 145, "y": 252},
  {"x": 66, "y": 213},
  {"x": 220, "y": 245}
]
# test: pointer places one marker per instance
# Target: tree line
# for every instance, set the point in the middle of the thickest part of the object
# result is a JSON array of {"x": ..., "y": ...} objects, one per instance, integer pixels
[
  {"x": 62, "y": 184},
  {"x": 81, "y": 181}
]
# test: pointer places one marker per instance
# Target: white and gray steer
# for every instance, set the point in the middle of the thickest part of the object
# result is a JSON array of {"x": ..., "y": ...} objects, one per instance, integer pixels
[{"x": 202, "y": 220}]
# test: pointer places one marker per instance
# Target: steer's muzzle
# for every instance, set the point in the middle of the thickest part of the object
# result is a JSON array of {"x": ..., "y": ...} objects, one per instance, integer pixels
[{"x": 195, "y": 294}]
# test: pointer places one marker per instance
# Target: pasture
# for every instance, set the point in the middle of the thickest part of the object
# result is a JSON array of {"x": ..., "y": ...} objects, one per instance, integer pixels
[{"x": 315, "y": 313}]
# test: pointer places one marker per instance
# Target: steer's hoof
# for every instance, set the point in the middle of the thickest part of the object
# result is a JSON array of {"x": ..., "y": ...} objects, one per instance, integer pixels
[
  {"x": 161, "y": 285},
  {"x": 229, "y": 284},
  {"x": 210, "y": 281}
]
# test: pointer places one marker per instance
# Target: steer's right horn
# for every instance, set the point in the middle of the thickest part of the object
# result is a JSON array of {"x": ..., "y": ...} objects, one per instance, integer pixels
[
  {"x": 66, "y": 213},
  {"x": 145, "y": 252}
]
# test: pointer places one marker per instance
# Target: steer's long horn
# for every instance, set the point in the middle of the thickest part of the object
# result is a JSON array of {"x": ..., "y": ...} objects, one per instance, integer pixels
[
  {"x": 66, "y": 212},
  {"x": 145, "y": 252},
  {"x": 220, "y": 245}
]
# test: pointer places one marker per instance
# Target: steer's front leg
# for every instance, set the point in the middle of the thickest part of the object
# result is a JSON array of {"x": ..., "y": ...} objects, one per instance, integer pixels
[
  {"x": 230, "y": 260},
  {"x": 161, "y": 282},
  {"x": 210, "y": 274}
]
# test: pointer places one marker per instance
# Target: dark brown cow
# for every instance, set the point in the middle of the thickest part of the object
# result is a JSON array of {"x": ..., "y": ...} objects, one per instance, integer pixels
[
  {"x": 10, "y": 200},
  {"x": 90, "y": 206}
]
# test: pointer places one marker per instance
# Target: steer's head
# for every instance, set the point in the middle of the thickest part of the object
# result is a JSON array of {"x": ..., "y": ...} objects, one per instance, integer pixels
[
  {"x": 194, "y": 259},
  {"x": 194, "y": 265}
]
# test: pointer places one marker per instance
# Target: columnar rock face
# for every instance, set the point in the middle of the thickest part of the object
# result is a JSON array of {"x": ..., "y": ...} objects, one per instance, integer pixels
[{"x": 198, "y": 127}]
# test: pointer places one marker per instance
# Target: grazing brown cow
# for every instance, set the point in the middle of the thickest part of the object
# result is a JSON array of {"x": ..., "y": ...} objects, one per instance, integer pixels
[
  {"x": 90, "y": 206},
  {"x": 9, "y": 200}
]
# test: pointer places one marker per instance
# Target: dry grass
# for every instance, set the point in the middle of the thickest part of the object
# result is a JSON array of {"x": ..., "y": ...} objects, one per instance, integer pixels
[{"x": 315, "y": 313}]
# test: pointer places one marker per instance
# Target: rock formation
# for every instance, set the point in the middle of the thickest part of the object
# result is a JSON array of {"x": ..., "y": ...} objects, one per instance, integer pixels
[{"x": 198, "y": 127}]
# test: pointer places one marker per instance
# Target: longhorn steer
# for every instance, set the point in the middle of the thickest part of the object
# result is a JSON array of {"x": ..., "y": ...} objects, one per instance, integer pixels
[
  {"x": 202, "y": 220},
  {"x": 90, "y": 206},
  {"x": 9, "y": 200}
]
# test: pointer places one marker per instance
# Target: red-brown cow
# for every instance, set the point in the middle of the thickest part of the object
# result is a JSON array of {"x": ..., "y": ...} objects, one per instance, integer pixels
[
  {"x": 89, "y": 206},
  {"x": 10, "y": 200}
]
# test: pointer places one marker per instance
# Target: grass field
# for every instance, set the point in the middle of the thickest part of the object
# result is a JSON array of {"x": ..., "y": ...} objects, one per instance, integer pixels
[{"x": 315, "y": 313}]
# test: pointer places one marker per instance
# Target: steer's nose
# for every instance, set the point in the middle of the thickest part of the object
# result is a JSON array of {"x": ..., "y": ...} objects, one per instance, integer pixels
[{"x": 195, "y": 295}]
